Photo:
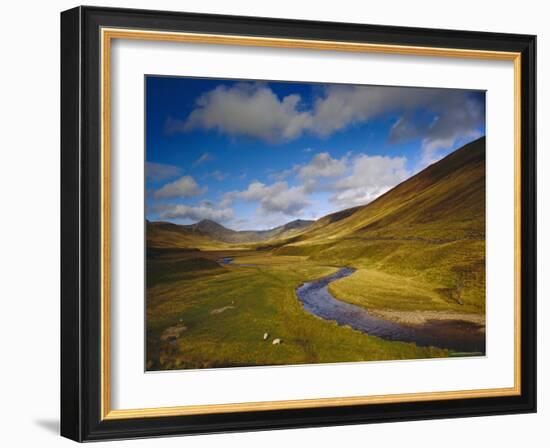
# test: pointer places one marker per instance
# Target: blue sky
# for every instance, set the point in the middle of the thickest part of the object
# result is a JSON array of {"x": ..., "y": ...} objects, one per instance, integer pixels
[{"x": 255, "y": 155}]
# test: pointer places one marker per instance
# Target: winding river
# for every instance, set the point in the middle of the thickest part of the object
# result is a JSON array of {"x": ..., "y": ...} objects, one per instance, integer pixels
[{"x": 456, "y": 335}]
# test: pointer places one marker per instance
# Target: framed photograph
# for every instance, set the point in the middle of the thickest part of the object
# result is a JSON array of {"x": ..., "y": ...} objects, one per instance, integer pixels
[{"x": 275, "y": 224}]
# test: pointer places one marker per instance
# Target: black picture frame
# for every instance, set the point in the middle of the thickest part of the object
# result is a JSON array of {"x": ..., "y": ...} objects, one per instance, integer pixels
[{"x": 81, "y": 224}]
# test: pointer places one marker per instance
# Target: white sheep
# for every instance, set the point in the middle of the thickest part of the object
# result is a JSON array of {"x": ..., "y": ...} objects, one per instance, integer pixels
[
  {"x": 276, "y": 341},
  {"x": 266, "y": 335}
]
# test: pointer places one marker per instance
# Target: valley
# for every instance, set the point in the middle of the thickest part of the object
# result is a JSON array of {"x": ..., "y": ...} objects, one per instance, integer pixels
[{"x": 416, "y": 256}]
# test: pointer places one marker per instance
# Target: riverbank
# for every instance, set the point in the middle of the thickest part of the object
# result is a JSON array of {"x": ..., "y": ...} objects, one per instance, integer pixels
[
  {"x": 448, "y": 333},
  {"x": 421, "y": 317},
  {"x": 255, "y": 300}
]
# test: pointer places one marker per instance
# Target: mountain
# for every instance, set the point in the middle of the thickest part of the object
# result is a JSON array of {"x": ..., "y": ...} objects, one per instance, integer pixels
[
  {"x": 213, "y": 230},
  {"x": 218, "y": 232},
  {"x": 445, "y": 201},
  {"x": 165, "y": 235},
  {"x": 208, "y": 232},
  {"x": 428, "y": 233}
]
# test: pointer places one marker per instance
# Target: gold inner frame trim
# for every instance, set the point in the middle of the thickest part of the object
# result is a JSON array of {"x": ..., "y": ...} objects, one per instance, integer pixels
[{"x": 107, "y": 35}]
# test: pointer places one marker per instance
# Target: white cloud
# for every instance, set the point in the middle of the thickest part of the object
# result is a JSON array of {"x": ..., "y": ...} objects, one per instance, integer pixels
[
  {"x": 218, "y": 175},
  {"x": 283, "y": 174},
  {"x": 323, "y": 165},
  {"x": 345, "y": 182},
  {"x": 403, "y": 130},
  {"x": 290, "y": 201},
  {"x": 458, "y": 118},
  {"x": 185, "y": 212},
  {"x": 161, "y": 171},
  {"x": 432, "y": 147},
  {"x": 351, "y": 181},
  {"x": 274, "y": 198},
  {"x": 206, "y": 157},
  {"x": 228, "y": 198},
  {"x": 184, "y": 187},
  {"x": 344, "y": 105},
  {"x": 356, "y": 196},
  {"x": 370, "y": 177},
  {"x": 252, "y": 110}
]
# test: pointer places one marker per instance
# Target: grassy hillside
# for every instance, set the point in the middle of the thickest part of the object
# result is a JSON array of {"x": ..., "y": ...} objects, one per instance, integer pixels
[
  {"x": 445, "y": 201},
  {"x": 428, "y": 233},
  {"x": 172, "y": 236}
]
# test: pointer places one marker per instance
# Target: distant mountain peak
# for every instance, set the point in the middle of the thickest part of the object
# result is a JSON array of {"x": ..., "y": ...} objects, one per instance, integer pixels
[
  {"x": 297, "y": 223},
  {"x": 216, "y": 231},
  {"x": 421, "y": 207},
  {"x": 206, "y": 221}
]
